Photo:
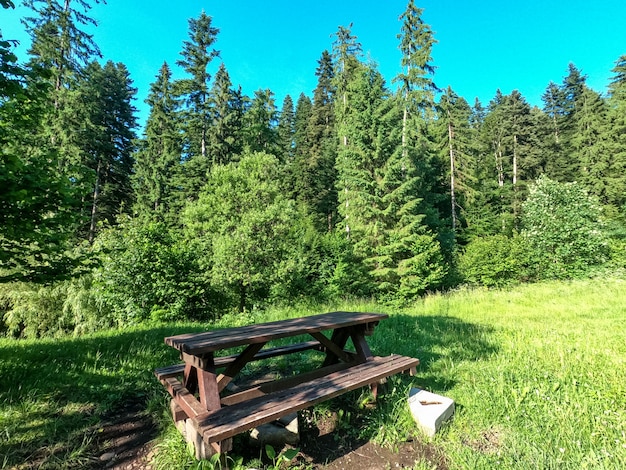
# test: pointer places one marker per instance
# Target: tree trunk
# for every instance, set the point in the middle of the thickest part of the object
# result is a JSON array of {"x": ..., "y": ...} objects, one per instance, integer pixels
[
  {"x": 94, "y": 205},
  {"x": 452, "y": 171},
  {"x": 242, "y": 296}
]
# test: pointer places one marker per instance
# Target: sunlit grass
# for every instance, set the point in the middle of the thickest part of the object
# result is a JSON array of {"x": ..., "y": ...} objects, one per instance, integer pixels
[{"x": 538, "y": 374}]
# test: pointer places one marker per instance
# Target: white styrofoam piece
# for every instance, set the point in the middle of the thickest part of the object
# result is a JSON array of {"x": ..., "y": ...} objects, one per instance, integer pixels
[{"x": 430, "y": 410}]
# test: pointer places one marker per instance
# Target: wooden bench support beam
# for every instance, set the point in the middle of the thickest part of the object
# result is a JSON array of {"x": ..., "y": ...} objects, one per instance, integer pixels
[
  {"x": 225, "y": 361},
  {"x": 231, "y": 420}
]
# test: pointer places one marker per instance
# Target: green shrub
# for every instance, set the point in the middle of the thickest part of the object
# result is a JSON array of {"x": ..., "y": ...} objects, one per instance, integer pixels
[
  {"x": 147, "y": 273},
  {"x": 563, "y": 230},
  {"x": 33, "y": 310},
  {"x": 493, "y": 261}
]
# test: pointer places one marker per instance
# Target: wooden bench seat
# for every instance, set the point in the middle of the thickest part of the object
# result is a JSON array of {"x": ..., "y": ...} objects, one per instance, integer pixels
[
  {"x": 175, "y": 370},
  {"x": 216, "y": 426}
]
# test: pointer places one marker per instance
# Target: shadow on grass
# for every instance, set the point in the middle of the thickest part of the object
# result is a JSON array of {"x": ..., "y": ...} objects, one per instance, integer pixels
[
  {"x": 438, "y": 341},
  {"x": 54, "y": 393}
]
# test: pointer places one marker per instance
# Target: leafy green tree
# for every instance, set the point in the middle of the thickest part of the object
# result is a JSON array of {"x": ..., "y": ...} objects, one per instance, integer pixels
[
  {"x": 158, "y": 157},
  {"x": 242, "y": 229},
  {"x": 563, "y": 229},
  {"x": 494, "y": 260},
  {"x": 38, "y": 219},
  {"x": 148, "y": 272},
  {"x": 41, "y": 204}
]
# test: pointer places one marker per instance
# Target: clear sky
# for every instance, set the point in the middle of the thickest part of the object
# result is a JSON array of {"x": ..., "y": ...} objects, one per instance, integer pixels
[{"x": 482, "y": 45}]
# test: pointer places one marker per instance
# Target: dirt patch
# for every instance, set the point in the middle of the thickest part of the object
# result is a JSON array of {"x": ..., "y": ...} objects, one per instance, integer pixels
[
  {"x": 125, "y": 443},
  {"x": 327, "y": 444},
  {"x": 489, "y": 442},
  {"x": 124, "y": 440}
]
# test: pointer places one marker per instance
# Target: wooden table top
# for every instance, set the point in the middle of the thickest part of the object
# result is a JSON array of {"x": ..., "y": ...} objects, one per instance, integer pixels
[{"x": 210, "y": 341}]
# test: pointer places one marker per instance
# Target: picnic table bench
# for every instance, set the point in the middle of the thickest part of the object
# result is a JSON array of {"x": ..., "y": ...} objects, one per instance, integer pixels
[{"x": 199, "y": 392}]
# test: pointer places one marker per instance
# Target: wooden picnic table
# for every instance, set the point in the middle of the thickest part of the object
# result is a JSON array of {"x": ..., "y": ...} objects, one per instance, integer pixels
[{"x": 201, "y": 394}]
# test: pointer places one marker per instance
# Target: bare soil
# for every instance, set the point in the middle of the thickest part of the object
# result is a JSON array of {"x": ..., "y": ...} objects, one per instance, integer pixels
[{"x": 125, "y": 442}]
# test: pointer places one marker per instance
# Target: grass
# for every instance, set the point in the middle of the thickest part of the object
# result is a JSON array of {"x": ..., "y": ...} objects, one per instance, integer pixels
[{"x": 538, "y": 374}]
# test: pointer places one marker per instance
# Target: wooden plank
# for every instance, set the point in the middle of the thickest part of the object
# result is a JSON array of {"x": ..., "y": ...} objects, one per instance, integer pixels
[
  {"x": 199, "y": 343},
  {"x": 189, "y": 404},
  {"x": 278, "y": 385},
  {"x": 169, "y": 371},
  {"x": 272, "y": 352},
  {"x": 340, "y": 338},
  {"x": 232, "y": 420},
  {"x": 360, "y": 345}
]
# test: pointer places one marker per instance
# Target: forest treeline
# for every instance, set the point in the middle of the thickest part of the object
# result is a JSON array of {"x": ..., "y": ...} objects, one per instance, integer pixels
[{"x": 368, "y": 187}]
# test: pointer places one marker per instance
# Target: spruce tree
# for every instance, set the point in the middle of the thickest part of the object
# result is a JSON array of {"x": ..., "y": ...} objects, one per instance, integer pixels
[
  {"x": 615, "y": 142},
  {"x": 197, "y": 54},
  {"x": 456, "y": 140},
  {"x": 227, "y": 114},
  {"x": 318, "y": 187},
  {"x": 409, "y": 260},
  {"x": 286, "y": 131},
  {"x": 260, "y": 123},
  {"x": 108, "y": 139},
  {"x": 159, "y": 153}
]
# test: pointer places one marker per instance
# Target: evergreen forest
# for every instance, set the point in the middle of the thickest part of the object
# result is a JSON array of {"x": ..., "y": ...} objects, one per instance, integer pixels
[{"x": 375, "y": 187}]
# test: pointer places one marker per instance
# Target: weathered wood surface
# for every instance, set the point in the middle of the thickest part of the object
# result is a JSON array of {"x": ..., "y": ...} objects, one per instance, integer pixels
[
  {"x": 231, "y": 420},
  {"x": 200, "y": 343},
  {"x": 225, "y": 361}
]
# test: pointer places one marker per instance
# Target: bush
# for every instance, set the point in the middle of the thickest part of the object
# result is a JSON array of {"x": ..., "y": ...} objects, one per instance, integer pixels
[
  {"x": 148, "y": 274},
  {"x": 494, "y": 261},
  {"x": 563, "y": 229},
  {"x": 32, "y": 310}
]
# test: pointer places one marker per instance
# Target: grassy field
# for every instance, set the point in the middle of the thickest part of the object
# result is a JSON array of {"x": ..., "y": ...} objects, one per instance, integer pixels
[{"x": 538, "y": 374}]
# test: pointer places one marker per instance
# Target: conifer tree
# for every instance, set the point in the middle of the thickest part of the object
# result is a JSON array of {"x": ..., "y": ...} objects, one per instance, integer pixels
[
  {"x": 159, "y": 154},
  {"x": 319, "y": 175},
  {"x": 416, "y": 81},
  {"x": 286, "y": 131},
  {"x": 197, "y": 54},
  {"x": 360, "y": 158},
  {"x": 613, "y": 155},
  {"x": 409, "y": 259},
  {"x": 346, "y": 54},
  {"x": 260, "y": 123},
  {"x": 227, "y": 114},
  {"x": 108, "y": 139},
  {"x": 296, "y": 169},
  {"x": 456, "y": 138}
]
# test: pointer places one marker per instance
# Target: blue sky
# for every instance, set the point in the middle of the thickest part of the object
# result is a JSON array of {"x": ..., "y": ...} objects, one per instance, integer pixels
[{"x": 482, "y": 45}]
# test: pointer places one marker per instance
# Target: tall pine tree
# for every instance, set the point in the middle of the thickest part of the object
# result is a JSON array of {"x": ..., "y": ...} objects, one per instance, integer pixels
[{"x": 159, "y": 154}]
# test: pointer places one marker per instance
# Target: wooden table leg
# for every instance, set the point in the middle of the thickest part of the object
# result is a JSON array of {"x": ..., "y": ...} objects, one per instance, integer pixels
[
  {"x": 340, "y": 338},
  {"x": 361, "y": 347},
  {"x": 208, "y": 390}
]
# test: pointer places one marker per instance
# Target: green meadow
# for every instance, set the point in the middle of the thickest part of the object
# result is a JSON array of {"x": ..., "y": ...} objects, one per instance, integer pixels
[{"x": 538, "y": 374}]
